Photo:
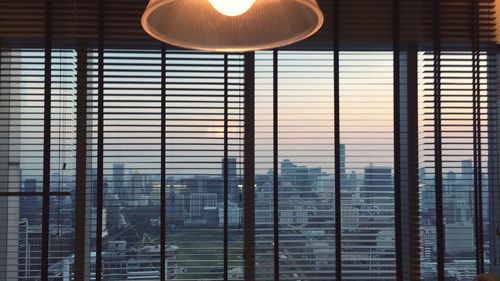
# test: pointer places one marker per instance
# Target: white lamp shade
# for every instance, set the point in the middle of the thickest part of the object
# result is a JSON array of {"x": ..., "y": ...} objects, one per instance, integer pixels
[{"x": 196, "y": 24}]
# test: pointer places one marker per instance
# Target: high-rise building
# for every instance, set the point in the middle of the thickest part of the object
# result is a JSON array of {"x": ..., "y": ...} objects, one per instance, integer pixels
[
  {"x": 451, "y": 176},
  {"x": 113, "y": 214},
  {"x": 28, "y": 251},
  {"x": 136, "y": 185},
  {"x": 29, "y": 207},
  {"x": 467, "y": 172},
  {"x": 93, "y": 227},
  {"x": 176, "y": 204},
  {"x": 29, "y": 185},
  {"x": 342, "y": 161},
  {"x": 288, "y": 170},
  {"x": 198, "y": 202},
  {"x": 325, "y": 186},
  {"x": 428, "y": 240},
  {"x": 93, "y": 186},
  {"x": 293, "y": 215},
  {"x": 24, "y": 249},
  {"x": 231, "y": 167},
  {"x": 10, "y": 170},
  {"x": 302, "y": 177},
  {"x": 374, "y": 212},
  {"x": 377, "y": 182},
  {"x": 118, "y": 176},
  {"x": 56, "y": 181},
  {"x": 459, "y": 238}
]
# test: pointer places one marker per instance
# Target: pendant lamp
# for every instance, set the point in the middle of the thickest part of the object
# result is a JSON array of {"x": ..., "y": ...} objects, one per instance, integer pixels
[{"x": 231, "y": 25}]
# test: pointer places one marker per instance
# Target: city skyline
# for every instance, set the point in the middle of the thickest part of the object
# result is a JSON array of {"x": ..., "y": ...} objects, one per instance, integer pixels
[{"x": 121, "y": 181}]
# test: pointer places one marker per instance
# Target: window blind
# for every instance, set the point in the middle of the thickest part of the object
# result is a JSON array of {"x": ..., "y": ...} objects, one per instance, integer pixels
[
  {"x": 25, "y": 150},
  {"x": 368, "y": 151},
  {"x": 456, "y": 99}
]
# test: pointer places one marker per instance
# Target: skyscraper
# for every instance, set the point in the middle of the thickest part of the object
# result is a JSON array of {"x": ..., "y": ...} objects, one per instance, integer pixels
[
  {"x": 288, "y": 170},
  {"x": 119, "y": 180},
  {"x": 378, "y": 179},
  {"x": 10, "y": 172},
  {"x": 231, "y": 167},
  {"x": 93, "y": 186},
  {"x": 467, "y": 172},
  {"x": 118, "y": 175},
  {"x": 29, "y": 207},
  {"x": 29, "y": 185},
  {"x": 342, "y": 161},
  {"x": 134, "y": 192},
  {"x": 377, "y": 186}
]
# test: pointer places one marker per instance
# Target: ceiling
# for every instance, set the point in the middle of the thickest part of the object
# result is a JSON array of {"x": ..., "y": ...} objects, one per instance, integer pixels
[{"x": 362, "y": 24}]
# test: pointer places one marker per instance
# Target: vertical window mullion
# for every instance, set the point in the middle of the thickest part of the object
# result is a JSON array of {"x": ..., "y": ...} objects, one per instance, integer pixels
[
  {"x": 438, "y": 170},
  {"x": 336, "y": 93},
  {"x": 478, "y": 165},
  {"x": 275, "y": 168},
  {"x": 477, "y": 217},
  {"x": 163, "y": 180},
  {"x": 479, "y": 171},
  {"x": 100, "y": 143},
  {"x": 397, "y": 140},
  {"x": 81, "y": 241},
  {"x": 475, "y": 132},
  {"x": 249, "y": 168},
  {"x": 226, "y": 174},
  {"x": 478, "y": 193},
  {"x": 493, "y": 149},
  {"x": 412, "y": 200},
  {"x": 46, "y": 142}
]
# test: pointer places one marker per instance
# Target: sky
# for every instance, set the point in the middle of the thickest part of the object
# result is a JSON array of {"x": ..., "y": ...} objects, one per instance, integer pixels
[{"x": 306, "y": 113}]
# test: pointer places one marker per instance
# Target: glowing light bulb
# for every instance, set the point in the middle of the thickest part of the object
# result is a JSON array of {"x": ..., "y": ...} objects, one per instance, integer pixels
[{"x": 232, "y": 8}]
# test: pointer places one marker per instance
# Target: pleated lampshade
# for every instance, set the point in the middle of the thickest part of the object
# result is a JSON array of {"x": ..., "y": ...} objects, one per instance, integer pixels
[{"x": 211, "y": 25}]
